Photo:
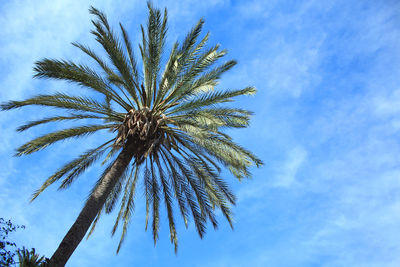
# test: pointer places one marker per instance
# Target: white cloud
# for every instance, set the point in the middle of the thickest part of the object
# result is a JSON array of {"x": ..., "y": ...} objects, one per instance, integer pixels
[
  {"x": 287, "y": 176},
  {"x": 285, "y": 55},
  {"x": 387, "y": 105},
  {"x": 290, "y": 71}
]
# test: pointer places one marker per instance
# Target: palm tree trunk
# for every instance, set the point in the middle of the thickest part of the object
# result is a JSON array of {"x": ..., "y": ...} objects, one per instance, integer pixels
[{"x": 93, "y": 205}]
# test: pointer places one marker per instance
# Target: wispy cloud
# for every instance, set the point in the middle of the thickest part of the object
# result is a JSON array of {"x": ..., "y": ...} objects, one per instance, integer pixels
[
  {"x": 287, "y": 176},
  {"x": 326, "y": 124}
]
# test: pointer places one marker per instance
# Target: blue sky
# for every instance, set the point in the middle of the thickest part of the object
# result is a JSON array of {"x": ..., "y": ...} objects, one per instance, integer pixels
[{"x": 327, "y": 127}]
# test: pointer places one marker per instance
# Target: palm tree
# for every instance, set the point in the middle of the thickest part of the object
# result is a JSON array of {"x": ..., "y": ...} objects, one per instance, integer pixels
[
  {"x": 169, "y": 128},
  {"x": 28, "y": 258}
]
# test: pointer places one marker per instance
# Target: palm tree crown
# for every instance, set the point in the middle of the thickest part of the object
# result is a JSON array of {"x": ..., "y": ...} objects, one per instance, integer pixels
[
  {"x": 170, "y": 116},
  {"x": 29, "y": 258}
]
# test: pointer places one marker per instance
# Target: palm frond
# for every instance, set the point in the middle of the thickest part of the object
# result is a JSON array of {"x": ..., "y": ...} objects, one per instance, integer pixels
[
  {"x": 80, "y": 163},
  {"x": 109, "y": 41},
  {"x": 168, "y": 203},
  {"x": 155, "y": 195},
  {"x": 128, "y": 208},
  {"x": 211, "y": 98},
  {"x": 29, "y": 258},
  {"x": 80, "y": 74},
  {"x": 132, "y": 60},
  {"x": 60, "y": 100},
  {"x": 177, "y": 181},
  {"x": 56, "y": 118},
  {"x": 87, "y": 50},
  {"x": 48, "y": 139},
  {"x": 148, "y": 191},
  {"x": 196, "y": 68},
  {"x": 113, "y": 197},
  {"x": 94, "y": 224}
]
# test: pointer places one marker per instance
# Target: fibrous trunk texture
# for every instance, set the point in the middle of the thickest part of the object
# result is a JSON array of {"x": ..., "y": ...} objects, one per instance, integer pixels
[
  {"x": 93, "y": 205},
  {"x": 144, "y": 129}
]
